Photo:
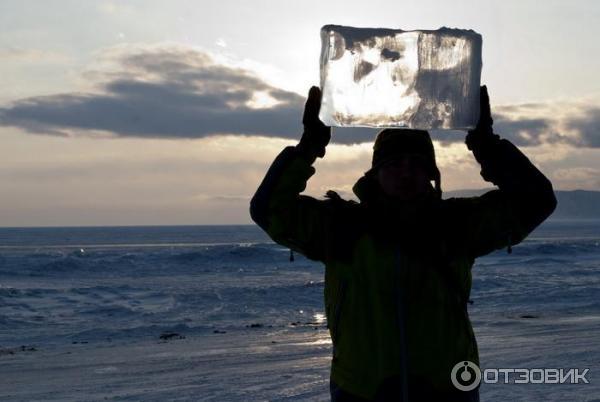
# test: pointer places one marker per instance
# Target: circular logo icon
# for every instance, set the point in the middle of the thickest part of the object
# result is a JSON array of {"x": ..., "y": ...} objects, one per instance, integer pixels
[{"x": 465, "y": 375}]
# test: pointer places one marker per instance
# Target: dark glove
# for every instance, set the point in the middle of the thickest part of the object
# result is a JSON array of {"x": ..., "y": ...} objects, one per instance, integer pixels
[
  {"x": 316, "y": 135},
  {"x": 485, "y": 145},
  {"x": 501, "y": 162},
  {"x": 483, "y": 132}
]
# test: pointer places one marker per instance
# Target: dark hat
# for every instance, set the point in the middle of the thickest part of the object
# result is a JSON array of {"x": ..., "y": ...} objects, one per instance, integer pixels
[{"x": 392, "y": 143}]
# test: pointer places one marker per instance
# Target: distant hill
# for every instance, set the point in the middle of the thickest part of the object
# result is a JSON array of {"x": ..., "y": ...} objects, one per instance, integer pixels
[{"x": 576, "y": 204}]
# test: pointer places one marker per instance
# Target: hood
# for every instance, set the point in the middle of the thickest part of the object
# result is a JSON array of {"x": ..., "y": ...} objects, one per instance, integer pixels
[
  {"x": 366, "y": 188},
  {"x": 368, "y": 192}
]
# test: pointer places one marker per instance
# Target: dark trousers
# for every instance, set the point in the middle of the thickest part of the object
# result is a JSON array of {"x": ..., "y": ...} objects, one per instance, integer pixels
[{"x": 389, "y": 392}]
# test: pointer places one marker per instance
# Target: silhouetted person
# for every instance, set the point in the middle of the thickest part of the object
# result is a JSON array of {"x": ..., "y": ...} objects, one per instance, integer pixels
[{"x": 398, "y": 263}]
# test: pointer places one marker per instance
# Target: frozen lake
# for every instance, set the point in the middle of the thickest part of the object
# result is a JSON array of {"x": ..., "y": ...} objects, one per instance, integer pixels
[{"x": 219, "y": 313}]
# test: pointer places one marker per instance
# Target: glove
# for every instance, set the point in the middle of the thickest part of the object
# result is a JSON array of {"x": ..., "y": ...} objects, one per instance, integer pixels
[
  {"x": 485, "y": 145},
  {"x": 316, "y": 135},
  {"x": 483, "y": 132}
]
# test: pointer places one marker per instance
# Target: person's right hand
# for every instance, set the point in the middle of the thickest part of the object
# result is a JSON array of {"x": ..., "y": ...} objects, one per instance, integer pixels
[{"x": 316, "y": 135}]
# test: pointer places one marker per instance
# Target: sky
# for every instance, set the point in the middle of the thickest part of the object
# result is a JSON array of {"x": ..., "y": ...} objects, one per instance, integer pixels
[{"x": 165, "y": 113}]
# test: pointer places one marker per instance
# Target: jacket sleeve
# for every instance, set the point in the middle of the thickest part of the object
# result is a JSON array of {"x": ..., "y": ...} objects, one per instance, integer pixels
[
  {"x": 299, "y": 222},
  {"x": 523, "y": 200}
]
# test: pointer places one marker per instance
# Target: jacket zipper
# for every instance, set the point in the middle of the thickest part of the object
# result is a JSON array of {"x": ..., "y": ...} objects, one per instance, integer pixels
[
  {"x": 402, "y": 328},
  {"x": 339, "y": 300}
]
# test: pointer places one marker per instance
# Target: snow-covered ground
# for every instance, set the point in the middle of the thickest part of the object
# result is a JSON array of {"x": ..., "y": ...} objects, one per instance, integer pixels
[
  {"x": 247, "y": 365},
  {"x": 82, "y": 312}
]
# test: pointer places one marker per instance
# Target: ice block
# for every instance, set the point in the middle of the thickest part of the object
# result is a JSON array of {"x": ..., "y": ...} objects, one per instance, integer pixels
[{"x": 377, "y": 77}]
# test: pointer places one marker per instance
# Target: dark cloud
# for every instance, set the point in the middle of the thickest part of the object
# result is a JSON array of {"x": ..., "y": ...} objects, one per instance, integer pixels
[
  {"x": 537, "y": 131},
  {"x": 169, "y": 93},
  {"x": 522, "y": 131},
  {"x": 584, "y": 122},
  {"x": 588, "y": 127},
  {"x": 447, "y": 137},
  {"x": 164, "y": 94},
  {"x": 182, "y": 93}
]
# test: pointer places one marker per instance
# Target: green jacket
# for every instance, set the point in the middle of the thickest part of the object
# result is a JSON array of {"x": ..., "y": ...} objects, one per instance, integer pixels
[{"x": 398, "y": 275}]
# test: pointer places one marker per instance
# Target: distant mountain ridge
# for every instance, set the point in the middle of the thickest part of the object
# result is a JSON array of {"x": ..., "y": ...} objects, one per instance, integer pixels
[{"x": 575, "y": 204}]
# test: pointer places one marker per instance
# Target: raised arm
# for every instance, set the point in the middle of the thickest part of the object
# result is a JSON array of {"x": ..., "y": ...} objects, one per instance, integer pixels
[
  {"x": 524, "y": 198},
  {"x": 299, "y": 222}
]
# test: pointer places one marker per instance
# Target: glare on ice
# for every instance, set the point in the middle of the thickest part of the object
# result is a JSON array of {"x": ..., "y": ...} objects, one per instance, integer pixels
[{"x": 377, "y": 77}]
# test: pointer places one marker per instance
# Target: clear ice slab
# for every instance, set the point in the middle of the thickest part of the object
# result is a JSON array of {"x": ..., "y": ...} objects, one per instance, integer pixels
[{"x": 377, "y": 77}]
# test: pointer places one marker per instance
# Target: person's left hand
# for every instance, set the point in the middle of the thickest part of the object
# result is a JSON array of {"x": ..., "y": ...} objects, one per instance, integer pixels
[{"x": 484, "y": 125}]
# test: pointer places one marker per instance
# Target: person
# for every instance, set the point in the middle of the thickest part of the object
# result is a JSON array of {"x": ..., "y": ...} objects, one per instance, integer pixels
[{"x": 398, "y": 262}]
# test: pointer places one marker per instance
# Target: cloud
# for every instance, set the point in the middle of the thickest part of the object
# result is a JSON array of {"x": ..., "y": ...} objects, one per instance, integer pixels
[
  {"x": 523, "y": 131},
  {"x": 588, "y": 127},
  {"x": 168, "y": 92},
  {"x": 28, "y": 55},
  {"x": 164, "y": 93},
  {"x": 520, "y": 131},
  {"x": 569, "y": 123},
  {"x": 172, "y": 91}
]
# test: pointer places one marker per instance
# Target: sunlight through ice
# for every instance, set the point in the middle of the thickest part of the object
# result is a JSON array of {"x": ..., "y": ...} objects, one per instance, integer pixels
[{"x": 376, "y": 77}]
